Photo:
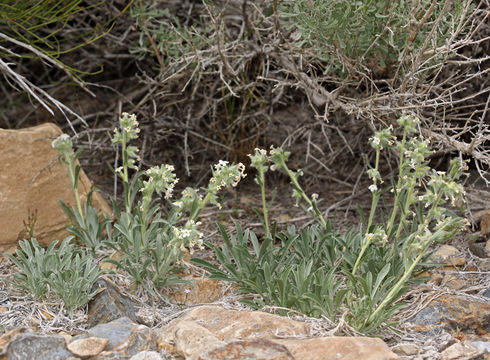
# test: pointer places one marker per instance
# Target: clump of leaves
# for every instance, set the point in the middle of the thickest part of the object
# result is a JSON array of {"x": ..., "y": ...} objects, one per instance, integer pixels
[
  {"x": 369, "y": 35},
  {"x": 149, "y": 237},
  {"x": 64, "y": 272},
  {"x": 362, "y": 273}
]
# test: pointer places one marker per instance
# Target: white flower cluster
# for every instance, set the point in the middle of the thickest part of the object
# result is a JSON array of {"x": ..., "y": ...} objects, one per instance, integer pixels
[
  {"x": 187, "y": 236},
  {"x": 379, "y": 236},
  {"x": 64, "y": 146},
  {"x": 225, "y": 175},
  {"x": 373, "y": 188},
  {"x": 189, "y": 195},
  {"x": 160, "y": 179},
  {"x": 128, "y": 129},
  {"x": 382, "y": 138}
]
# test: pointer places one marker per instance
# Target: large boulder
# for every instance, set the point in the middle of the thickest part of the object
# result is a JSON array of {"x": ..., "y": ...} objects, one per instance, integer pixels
[
  {"x": 31, "y": 181},
  {"x": 212, "y": 332}
]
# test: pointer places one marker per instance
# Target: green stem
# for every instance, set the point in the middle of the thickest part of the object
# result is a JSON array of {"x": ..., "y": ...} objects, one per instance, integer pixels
[
  {"x": 264, "y": 204},
  {"x": 303, "y": 194},
  {"x": 125, "y": 173},
  {"x": 371, "y": 216},
  {"x": 71, "y": 172},
  {"x": 202, "y": 203},
  {"x": 375, "y": 195},
  {"x": 396, "y": 288},
  {"x": 406, "y": 207},
  {"x": 398, "y": 186},
  {"x": 145, "y": 203}
]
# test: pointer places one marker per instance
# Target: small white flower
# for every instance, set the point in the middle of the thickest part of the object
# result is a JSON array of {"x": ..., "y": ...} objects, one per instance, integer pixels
[
  {"x": 373, "y": 188},
  {"x": 119, "y": 169},
  {"x": 178, "y": 203},
  {"x": 314, "y": 196},
  {"x": 376, "y": 140}
]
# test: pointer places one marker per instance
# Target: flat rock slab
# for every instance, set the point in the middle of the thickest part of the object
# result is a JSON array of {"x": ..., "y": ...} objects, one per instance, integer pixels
[
  {"x": 211, "y": 332},
  {"x": 249, "y": 350},
  {"x": 37, "y": 347},
  {"x": 147, "y": 355},
  {"x": 232, "y": 324},
  {"x": 87, "y": 347},
  {"x": 202, "y": 291},
  {"x": 451, "y": 312},
  {"x": 338, "y": 347},
  {"x": 32, "y": 180},
  {"x": 461, "y": 350}
]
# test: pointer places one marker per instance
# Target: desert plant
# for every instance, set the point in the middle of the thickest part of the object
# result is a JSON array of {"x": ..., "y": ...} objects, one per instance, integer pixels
[
  {"x": 374, "y": 35},
  {"x": 366, "y": 270},
  {"x": 66, "y": 272},
  {"x": 150, "y": 238},
  {"x": 35, "y": 264},
  {"x": 86, "y": 224}
]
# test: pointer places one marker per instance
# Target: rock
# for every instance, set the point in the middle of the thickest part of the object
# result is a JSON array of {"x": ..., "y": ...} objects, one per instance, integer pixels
[
  {"x": 211, "y": 332},
  {"x": 32, "y": 180},
  {"x": 436, "y": 278},
  {"x": 448, "y": 254},
  {"x": 445, "y": 252},
  {"x": 452, "y": 282},
  {"x": 486, "y": 293},
  {"x": 109, "y": 305},
  {"x": 478, "y": 249},
  {"x": 233, "y": 324},
  {"x": 453, "y": 312},
  {"x": 147, "y": 355},
  {"x": 87, "y": 347},
  {"x": 37, "y": 347},
  {"x": 192, "y": 339},
  {"x": 405, "y": 349},
  {"x": 484, "y": 265},
  {"x": 246, "y": 349},
  {"x": 337, "y": 347},
  {"x": 202, "y": 291},
  {"x": 485, "y": 223},
  {"x": 124, "y": 337},
  {"x": 6, "y": 338},
  {"x": 482, "y": 346},
  {"x": 460, "y": 350},
  {"x": 487, "y": 248}
]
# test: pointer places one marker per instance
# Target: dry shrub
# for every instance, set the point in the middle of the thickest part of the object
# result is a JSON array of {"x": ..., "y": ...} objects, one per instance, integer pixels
[{"x": 214, "y": 79}]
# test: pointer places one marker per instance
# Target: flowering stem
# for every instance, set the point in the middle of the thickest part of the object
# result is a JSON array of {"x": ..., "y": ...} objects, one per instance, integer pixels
[
  {"x": 74, "y": 185},
  {"x": 125, "y": 173},
  {"x": 371, "y": 216},
  {"x": 398, "y": 186},
  {"x": 264, "y": 204},
  {"x": 396, "y": 288},
  {"x": 375, "y": 193},
  {"x": 406, "y": 207},
  {"x": 201, "y": 206},
  {"x": 292, "y": 176}
]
